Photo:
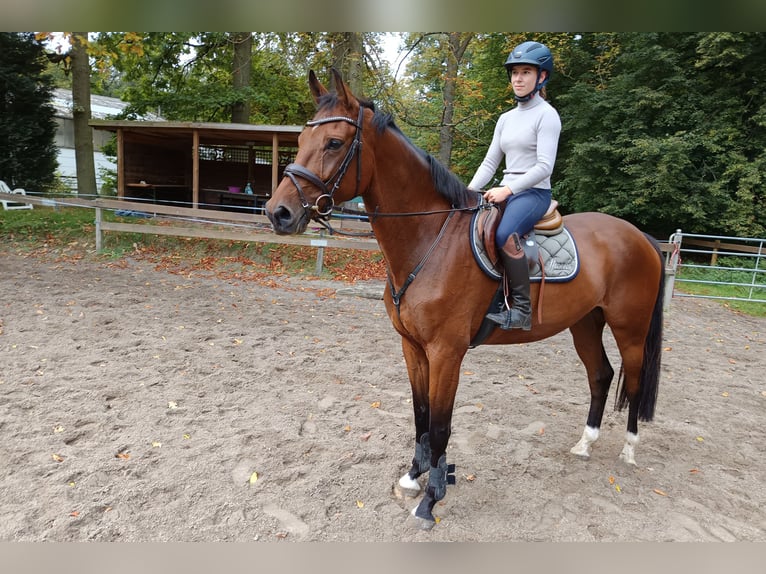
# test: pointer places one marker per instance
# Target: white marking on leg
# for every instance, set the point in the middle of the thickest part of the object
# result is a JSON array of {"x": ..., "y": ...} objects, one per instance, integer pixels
[
  {"x": 409, "y": 485},
  {"x": 628, "y": 454},
  {"x": 582, "y": 448}
]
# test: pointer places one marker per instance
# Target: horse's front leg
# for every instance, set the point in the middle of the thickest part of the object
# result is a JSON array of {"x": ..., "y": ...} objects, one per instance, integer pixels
[
  {"x": 443, "y": 381},
  {"x": 418, "y": 371}
]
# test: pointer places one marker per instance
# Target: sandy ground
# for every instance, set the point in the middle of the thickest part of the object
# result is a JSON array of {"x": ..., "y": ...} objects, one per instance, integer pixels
[{"x": 140, "y": 405}]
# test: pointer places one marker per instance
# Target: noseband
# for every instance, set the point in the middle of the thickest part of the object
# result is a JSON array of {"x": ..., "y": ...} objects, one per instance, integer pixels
[{"x": 295, "y": 170}]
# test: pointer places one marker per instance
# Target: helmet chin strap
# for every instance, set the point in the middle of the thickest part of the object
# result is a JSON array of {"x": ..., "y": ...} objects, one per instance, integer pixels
[{"x": 538, "y": 86}]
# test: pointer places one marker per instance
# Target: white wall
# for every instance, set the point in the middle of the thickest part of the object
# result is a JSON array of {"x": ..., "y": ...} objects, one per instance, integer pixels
[{"x": 68, "y": 169}]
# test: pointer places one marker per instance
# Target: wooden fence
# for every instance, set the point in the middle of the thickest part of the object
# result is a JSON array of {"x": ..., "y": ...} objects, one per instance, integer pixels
[{"x": 207, "y": 224}]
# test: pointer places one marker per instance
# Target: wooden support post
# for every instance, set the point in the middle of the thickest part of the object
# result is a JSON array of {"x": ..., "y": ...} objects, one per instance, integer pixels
[
  {"x": 195, "y": 169},
  {"x": 120, "y": 163},
  {"x": 98, "y": 230}
]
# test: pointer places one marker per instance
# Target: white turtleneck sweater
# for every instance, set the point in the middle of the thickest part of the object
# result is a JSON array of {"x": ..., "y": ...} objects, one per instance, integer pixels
[{"x": 527, "y": 136}]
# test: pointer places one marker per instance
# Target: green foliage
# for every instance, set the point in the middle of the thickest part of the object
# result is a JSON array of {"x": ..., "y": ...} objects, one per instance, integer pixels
[
  {"x": 27, "y": 127},
  {"x": 667, "y": 130},
  {"x": 672, "y": 136}
]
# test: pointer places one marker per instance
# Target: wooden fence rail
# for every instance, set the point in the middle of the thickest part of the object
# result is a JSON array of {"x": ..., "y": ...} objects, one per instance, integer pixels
[
  {"x": 207, "y": 224},
  {"x": 249, "y": 227}
]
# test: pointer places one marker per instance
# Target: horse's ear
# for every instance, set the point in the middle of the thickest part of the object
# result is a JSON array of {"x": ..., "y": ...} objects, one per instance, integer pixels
[
  {"x": 344, "y": 94},
  {"x": 317, "y": 89}
]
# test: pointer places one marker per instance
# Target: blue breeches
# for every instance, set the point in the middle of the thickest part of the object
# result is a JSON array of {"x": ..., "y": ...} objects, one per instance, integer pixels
[{"x": 522, "y": 211}]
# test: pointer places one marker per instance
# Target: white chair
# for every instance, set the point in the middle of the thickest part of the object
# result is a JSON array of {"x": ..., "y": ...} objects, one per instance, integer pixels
[{"x": 9, "y": 204}]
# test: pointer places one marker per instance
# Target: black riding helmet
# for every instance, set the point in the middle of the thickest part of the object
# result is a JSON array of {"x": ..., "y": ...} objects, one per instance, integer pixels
[{"x": 534, "y": 54}]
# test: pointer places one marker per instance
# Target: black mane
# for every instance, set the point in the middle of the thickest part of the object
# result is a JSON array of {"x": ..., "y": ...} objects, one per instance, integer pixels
[{"x": 446, "y": 183}]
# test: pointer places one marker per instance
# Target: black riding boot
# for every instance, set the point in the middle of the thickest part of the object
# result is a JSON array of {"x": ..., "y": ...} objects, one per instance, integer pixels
[{"x": 519, "y": 316}]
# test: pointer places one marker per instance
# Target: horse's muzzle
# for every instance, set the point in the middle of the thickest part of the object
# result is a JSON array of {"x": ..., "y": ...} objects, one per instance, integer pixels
[{"x": 284, "y": 221}]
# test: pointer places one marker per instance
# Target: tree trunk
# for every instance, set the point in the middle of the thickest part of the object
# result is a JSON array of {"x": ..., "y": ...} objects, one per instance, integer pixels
[
  {"x": 83, "y": 134},
  {"x": 243, "y": 54},
  {"x": 458, "y": 42},
  {"x": 348, "y": 59}
]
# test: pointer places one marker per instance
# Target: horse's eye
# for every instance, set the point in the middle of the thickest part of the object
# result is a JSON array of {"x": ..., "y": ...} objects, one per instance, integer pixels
[{"x": 334, "y": 145}]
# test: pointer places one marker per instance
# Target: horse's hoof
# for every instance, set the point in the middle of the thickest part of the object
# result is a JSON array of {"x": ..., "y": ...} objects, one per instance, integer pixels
[
  {"x": 424, "y": 523},
  {"x": 421, "y": 522},
  {"x": 580, "y": 453},
  {"x": 407, "y": 487}
]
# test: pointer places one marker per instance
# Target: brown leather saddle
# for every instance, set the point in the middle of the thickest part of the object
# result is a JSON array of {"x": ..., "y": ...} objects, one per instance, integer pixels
[{"x": 550, "y": 224}]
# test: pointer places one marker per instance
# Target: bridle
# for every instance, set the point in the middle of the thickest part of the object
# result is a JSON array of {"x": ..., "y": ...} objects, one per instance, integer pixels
[{"x": 295, "y": 170}]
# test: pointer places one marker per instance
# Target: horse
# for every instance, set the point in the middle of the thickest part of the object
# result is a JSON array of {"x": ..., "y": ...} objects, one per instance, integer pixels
[{"x": 437, "y": 296}]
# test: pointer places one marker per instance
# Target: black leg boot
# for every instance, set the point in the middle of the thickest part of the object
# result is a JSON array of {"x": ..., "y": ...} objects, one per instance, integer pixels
[{"x": 519, "y": 316}]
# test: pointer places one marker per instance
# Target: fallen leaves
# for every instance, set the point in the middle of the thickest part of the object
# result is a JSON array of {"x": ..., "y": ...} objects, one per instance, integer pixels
[
  {"x": 613, "y": 482},
  {"x": 253, "y": 478},
  {"x": 57, "y": 457},
  {"x": 660, "y": 492}
]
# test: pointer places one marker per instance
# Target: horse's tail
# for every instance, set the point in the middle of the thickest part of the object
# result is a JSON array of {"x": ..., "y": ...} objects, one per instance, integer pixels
[{"x": 649, "y": 378}]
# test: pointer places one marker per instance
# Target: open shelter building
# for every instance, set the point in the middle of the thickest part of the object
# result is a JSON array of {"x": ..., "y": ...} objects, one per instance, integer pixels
[{"x": 199, "y": 164}]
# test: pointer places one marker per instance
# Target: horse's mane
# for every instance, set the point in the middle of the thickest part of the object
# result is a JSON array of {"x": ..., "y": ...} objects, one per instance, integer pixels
[{"x": 446, "y": 183}]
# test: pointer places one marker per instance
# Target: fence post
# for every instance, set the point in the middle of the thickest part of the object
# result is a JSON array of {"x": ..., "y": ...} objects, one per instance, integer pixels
[
  {"x": 98, "y": 230},
  {"x": 671, "y": 265},
  {"x": 321, "y": 244}
]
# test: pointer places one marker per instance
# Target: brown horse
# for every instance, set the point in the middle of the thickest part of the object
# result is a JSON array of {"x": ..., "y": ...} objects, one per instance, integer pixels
[{"x": 438, "y": 295}]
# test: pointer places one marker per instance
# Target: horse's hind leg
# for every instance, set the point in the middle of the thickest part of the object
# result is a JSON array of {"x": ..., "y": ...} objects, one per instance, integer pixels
[{"x": 587, "y": 335}]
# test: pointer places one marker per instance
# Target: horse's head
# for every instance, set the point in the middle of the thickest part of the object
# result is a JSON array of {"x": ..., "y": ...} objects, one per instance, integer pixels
[{"x": 328, "y": 167}]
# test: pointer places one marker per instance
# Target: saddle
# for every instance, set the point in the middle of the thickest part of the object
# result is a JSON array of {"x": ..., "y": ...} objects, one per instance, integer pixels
[
  {"x": 550, "y": 249},
  {"x": 550, "y": 224}
]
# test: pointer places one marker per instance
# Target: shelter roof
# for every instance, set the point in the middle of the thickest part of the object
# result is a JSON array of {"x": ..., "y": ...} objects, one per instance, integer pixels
[
  {"x": 101, "y": 107},
  {"x": 209, "y": 132}
]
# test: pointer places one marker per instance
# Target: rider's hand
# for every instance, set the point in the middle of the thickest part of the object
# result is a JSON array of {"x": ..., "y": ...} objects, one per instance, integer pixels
[{"x": 497, "y": 194}]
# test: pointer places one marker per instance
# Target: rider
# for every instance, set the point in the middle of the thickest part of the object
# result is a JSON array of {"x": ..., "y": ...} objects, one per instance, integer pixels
[{"x": 527, "y": 138}]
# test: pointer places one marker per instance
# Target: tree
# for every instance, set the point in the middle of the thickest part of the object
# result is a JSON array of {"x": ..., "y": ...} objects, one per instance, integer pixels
[
  {"x": 27, "y": 125},
  {"x": 672, "y": 134},
  {"x": 81, "y": 114},
  {"x": 241, "y": 72}
]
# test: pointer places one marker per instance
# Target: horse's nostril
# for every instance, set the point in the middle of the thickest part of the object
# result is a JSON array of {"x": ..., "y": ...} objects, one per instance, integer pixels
[
  {"x": 282, "y": 214},
  {"x": 281, "y": 219}
]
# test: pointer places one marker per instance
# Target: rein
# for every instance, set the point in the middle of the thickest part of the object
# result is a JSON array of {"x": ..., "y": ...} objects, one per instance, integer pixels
[{"x": 376, "y": 214}]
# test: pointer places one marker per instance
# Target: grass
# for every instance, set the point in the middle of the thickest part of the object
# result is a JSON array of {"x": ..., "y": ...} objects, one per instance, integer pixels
[
  {"x": 69, "y": 233},
  {"x": 720, "y": 283}
]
